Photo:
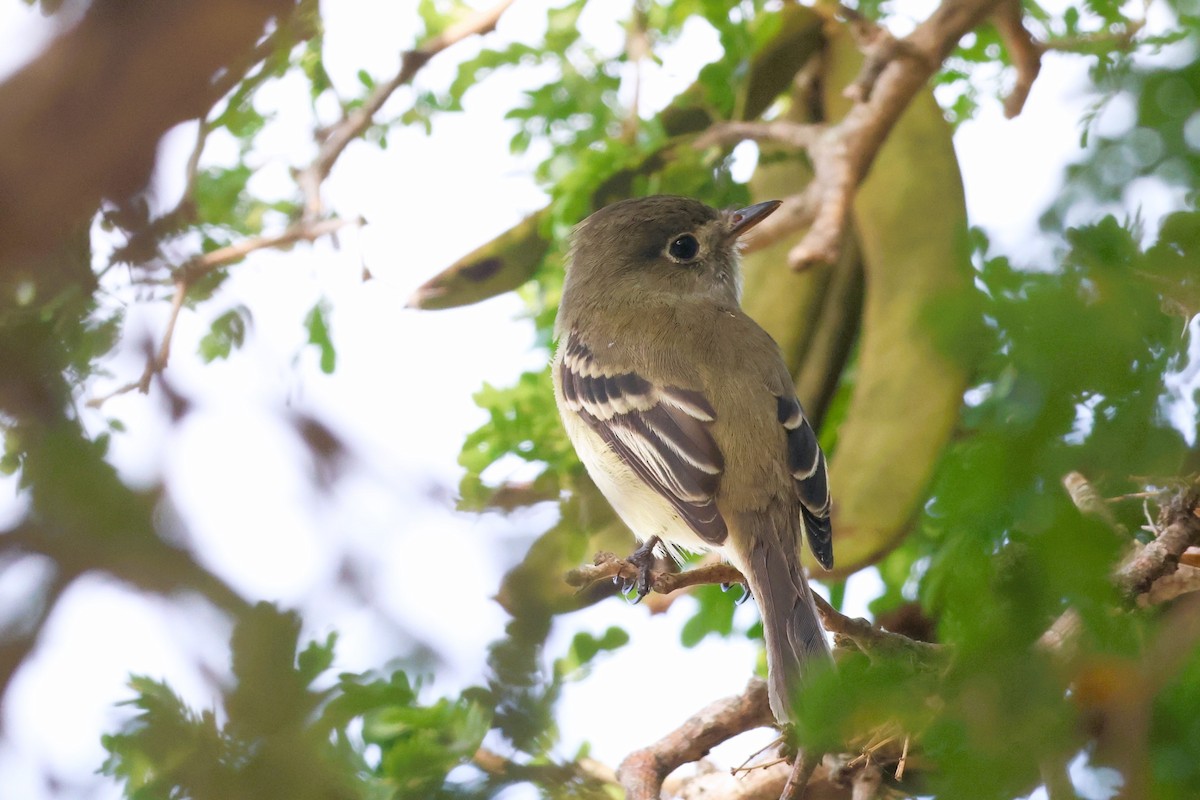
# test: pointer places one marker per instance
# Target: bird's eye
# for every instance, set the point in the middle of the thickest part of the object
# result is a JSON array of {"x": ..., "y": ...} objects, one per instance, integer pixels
[{"x": 683, "y": 248}]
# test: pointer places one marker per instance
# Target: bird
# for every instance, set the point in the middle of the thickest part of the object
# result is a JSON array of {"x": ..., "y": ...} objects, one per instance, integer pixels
[{"x": 683, "y": 412}]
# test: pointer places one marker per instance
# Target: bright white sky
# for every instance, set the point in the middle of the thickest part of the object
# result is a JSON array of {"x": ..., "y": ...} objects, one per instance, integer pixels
[{"x": 401, "y": 397}]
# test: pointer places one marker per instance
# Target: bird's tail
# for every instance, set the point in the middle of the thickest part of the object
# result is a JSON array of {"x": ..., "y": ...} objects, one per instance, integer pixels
[{"x": 770, "y": 558}]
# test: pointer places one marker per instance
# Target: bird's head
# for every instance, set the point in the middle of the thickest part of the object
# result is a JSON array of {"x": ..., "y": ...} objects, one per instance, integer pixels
[{"x": 662, "y": 245}]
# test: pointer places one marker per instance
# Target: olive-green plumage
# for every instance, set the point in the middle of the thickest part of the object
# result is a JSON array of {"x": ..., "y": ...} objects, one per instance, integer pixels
[{"x": 683, "y": 411}]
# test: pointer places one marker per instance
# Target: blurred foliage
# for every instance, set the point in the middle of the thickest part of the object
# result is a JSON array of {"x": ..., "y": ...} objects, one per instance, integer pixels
[{"x": 1072, "y": 376}]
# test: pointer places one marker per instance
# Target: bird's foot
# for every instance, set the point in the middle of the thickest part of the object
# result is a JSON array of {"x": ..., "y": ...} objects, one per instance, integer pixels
[
  {"x": 643, "y": 560},
  {"x": 745, "y": 592}
]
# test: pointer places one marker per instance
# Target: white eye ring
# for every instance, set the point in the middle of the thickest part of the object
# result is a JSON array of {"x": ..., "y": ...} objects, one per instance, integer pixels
[{"x": 683, "y": 248}]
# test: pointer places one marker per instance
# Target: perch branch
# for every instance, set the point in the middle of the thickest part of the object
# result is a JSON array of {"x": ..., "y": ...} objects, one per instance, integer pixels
[
  {"x": 862, "y": 633},
  {"x": 642, "y": 773},
  {"x": 609, "y": 565}
]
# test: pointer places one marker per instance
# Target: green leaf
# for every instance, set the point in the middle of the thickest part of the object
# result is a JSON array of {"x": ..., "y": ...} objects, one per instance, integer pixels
[
  {"x": 585, "y": 647},
  {"x": 218, "y": 192},
  {"x": 713, "y": 616},
  {"x": 228, "y": 331},
  {"x": 316, "y": 322},
  {"x": 312, "y": 62},
  {"x": 522, "y": 422}
]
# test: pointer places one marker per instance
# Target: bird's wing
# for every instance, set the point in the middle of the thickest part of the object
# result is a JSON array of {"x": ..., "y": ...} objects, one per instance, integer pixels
[
  {"x": 807, "y": 463},
  {"x": 660, "y": 432}
]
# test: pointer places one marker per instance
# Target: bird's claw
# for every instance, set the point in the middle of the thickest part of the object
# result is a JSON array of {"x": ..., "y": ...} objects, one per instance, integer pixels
[{"x": 642, "y": 560}]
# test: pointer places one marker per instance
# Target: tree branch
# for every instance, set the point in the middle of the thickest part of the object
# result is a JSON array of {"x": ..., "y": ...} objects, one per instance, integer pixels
[
  {"x": 302, "y": 231},
  {"x": 1184, "y": 580},
  {"x": 193, "y": 270},
  {"x": 1179, "y": 529},
  {"x": 1023, "y": 51},
  {"x": 83, "y": 120},
  {"x": 1151, "y": 575},
  {"x": 842, "y": 154},
  {"x": 584, "y": 770},
  {"x": 642, "y": 772},
  {"x": 803, "y": 767},
  {"x": 726, "y": 134},
  {"x": 311, "y": 225},
  {"x": 1100, "y": 40},
  {"x": 354, "y": 123},
  {"x": 867, "y": 783},
  {"x": 867, "y": 637},
  {"x": 1088, "y": 500}
]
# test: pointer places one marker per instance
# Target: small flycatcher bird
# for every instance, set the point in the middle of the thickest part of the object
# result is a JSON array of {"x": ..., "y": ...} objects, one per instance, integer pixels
[{"x": 683, "y": 411}]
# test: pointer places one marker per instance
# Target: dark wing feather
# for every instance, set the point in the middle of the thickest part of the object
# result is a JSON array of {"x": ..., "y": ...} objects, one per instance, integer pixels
[
  {"x": 807, "y": 463},
  {"x": 660, "y": 432}
]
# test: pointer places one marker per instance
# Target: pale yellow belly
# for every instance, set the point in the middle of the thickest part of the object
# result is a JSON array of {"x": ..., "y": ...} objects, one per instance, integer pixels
[{"x": 643, "y": 509}]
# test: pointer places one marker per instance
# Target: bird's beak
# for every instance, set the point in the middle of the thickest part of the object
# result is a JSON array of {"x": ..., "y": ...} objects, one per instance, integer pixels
[{"x": 746, "y": 218}]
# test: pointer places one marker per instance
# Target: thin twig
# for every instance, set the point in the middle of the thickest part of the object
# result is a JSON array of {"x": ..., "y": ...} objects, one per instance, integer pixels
[
  {"x": 143, "y": 242},
  {"x": 726, "y": 134},
  {"x": 354, "y": 123},
  {"x": 1088, "y": 500},
  {"x": 1100, "y": 40},
  {"x": 1023, "y": 51},
  {"x": 586, "y": 770},
  {"x": 156, "y": 362},
  {"x": 746, "y": 766},
  {"x": 637, "y": 48},
  {"x": 802, "y": 770},
  {"x": 1152, "y": 574},
  {"x": 230, "y": 254},
  {"x": 189, "y": 273},
  {"x": 310, "y": 226}
]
